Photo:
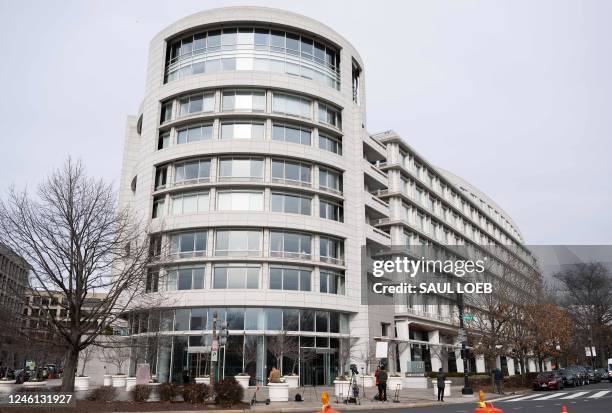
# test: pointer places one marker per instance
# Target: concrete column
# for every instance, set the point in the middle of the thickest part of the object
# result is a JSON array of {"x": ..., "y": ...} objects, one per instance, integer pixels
[
  {"x": 480, "y": 364},
  {"x": 435, "y": 351},
  {"x": 532, "y": 365},
  {"x": 511, "y": 371},
  {"x": 403, "y": 328}
]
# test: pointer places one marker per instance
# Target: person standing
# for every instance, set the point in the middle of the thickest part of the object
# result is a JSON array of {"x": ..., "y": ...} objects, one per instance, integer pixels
[
  {"x": 382, "y": 384},
  {"x": 499, "y": 380},
  {"x": 441, "y": 377}
]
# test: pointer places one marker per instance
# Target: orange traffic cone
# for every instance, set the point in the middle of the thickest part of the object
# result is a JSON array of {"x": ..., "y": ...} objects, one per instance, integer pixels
[
  {"x": 484, "y": 407},
  {"x": 563, "y": 409},
  {"x": 326, "y": 408}
]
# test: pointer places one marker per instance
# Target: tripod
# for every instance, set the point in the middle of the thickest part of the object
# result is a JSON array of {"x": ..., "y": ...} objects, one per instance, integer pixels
[{"x": 353, "y": 395}]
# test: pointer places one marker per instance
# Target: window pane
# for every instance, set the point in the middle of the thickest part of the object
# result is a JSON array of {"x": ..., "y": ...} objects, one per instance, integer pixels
[
  {"x": 198, "y": 278},
  {"x": 276, "y": 279},
  {"x": 184, "y": 281},
  {"x": 290, "y": 279},
  {"x": 198, "y": 319},
  {"x": 252, "y": 277},
  {"x": 304, "y": 280},
  {"x": 274, "y": 318},
  {"x": 236, "y": 277},
  {"x": 306, "y": 320},
  {"x": 220, "y": 277},
  {"x": 181, "y": 320}
]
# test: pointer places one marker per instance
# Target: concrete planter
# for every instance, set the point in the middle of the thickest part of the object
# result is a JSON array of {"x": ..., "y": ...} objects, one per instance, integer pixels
[
  {"x": 81, "y": 383},
  {"x": 393, "y": 382},
  {"x": 154, "y": 396},
  {"x": 7, "y": 386},
  {"x": 414, "y": 383},
  {"x": 130, "y": 383},
  {"x": 367, "y": 380},
  {"x": 342, "y": 388},
  {"x": 108, "y": 380},
  {"x": 293, "y": 381},
  {"x": 119, "y": 380},
  {"x": 278, "y": 392},
  {"x": 243, "y": 381},
  {"x": 203, "y": 380},
  {"x": 34, "y": 384},
  {"x": 447, "y": 387}
]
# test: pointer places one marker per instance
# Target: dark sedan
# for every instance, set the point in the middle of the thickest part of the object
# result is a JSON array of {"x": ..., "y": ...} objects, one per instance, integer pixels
[
  {"x": 569, "y": 378},
  {"x": 548, "y": 380}
]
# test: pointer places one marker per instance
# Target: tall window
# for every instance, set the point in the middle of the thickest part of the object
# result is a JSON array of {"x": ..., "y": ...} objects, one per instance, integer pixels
[
  {"x": 188, "y": 244},
  {"x": 241, "y": 169},
  {"x": 331, "y": 210},
  {"x": 164, "y": 140},
  {"x": 331, "y": 283},
  {"x": 190, "y": 203},
  {"x": 331, "y": 250},
  {"x": 292, "y": 105},
  {"x": 158, "y": 207},
  {"x": 296, "y": 173},
  {"x": 166, "y": 112},
  {"x": 293, "y": 134},
  {"x": 192, "y": 171},
  {"x": 290, "y": 245},
  {"x": 242, "y": 130},
  {"x": 240, "y": 201},
  {"x": 244, "y": 101},
  {"x": 203, "y": 102},
  {"x": 293, "y": 279},
  {"x": 238, "y": 243},
  {"x": 161, "y": 172},
  {"x": 185, "y": 278},
  {"x": 330, "y": 144},
  {"x": 330, "y": 180},
  {"x": 194, "y": 134},
  {"x": 291, "y": 204},
  {"x": 330, "y": 116},
  {"x": 236, "y": 276}
]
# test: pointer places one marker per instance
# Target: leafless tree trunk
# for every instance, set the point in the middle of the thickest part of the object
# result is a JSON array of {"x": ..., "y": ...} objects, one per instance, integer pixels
[{"x": 77, "y": 243}]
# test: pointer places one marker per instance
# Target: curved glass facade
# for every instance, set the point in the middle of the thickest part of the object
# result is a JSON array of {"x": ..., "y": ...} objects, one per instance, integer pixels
[
  {"x": 172, "y": 340},
  {"x": 253, "y": 48}
]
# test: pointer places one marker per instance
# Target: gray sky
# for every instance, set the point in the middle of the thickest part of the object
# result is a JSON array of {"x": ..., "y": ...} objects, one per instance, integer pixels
[{"x": 513, "y": 96}]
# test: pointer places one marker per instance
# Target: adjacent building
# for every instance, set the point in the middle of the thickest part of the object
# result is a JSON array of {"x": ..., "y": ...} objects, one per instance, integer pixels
[{"x": 250, "y": 157}]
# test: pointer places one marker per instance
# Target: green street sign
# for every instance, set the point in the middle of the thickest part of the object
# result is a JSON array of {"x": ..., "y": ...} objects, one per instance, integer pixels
[{"x": 468, "y": 317}]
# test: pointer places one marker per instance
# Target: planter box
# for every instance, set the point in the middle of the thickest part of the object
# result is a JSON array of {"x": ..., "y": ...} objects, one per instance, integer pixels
[
  {"x": 342, "y": 388},
  {"x": 203, "y": 380},
  {"x": 447, "y": 387},
  {"x": 108, "y": 380},
  {"x": 293, "y": 381},
  {"x": 81, "y": 383},
  {"x": 414, "y": 383},
  {"x": 34, "y": 384},
  {"x": 393, "y": 382},
  {"x": 243, "y": 381},
  {"x": 7, "y": 386},
  {"x": 367, "y": 380},
  {"x": 130, "y": 383},
  {"x": 154, "y": 396},
  {"x": 119, "y": 380},
  {"x": 278, "y": 392}
]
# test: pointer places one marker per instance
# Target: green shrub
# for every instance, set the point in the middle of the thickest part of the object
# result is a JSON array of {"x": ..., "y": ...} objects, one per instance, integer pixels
[
  {"x": 167, "y": 392},
  {"x": 196, "y": 393},
  {"x": 102, "y": 394},
  {"x": 229, "y": 392},
  {"x": 141, "y": 392}
]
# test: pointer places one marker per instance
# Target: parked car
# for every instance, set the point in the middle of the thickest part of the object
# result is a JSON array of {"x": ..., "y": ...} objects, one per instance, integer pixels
[
  {"x": 548, "y": 380},
  {"x": 594, "y": 375},
  {"x": 581, "y": 372},
  {"x": 603, "y": 373},
  {"x": 569, "y": 378}
]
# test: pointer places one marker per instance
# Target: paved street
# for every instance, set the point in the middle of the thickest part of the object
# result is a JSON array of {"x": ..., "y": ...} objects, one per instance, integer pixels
[{"x": 594, "y": 398}]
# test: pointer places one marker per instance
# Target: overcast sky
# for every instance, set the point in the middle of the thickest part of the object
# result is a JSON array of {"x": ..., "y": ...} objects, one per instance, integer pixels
[{"x": 513, "y": 96}]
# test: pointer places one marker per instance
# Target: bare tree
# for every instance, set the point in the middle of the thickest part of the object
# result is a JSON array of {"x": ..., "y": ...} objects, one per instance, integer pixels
[
  {"x": 85, "y": 357},
  {"x": 283, "y": 345},
  {"x": 116, "y": 352},
  {"x": 586, "y": 293},
  {"x": 77, "y": 243},
  {"x": 347, "y": 352}
]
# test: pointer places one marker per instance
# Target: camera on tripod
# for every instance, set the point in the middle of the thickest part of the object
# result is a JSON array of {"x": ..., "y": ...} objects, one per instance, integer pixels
[{"x": 353, "y": 368}]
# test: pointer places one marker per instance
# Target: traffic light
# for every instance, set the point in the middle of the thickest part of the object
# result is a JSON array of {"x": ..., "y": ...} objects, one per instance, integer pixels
[{"x": 223, "y": 334}]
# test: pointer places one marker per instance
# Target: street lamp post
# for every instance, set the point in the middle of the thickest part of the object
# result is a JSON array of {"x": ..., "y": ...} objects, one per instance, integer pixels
[{"x": 467, "y": 389}]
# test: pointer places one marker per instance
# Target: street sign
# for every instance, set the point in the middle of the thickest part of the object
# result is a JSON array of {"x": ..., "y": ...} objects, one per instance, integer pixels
[
  {"x": 590, "y": 351},
  {"x": 468, "y": 317},
  {"x": 382, "y": 349},
  {"x": 213, "y": 355}
]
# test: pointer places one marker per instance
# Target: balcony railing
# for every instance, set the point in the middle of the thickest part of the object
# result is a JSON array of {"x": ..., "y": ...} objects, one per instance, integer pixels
[{"x": 291, "y": 255}]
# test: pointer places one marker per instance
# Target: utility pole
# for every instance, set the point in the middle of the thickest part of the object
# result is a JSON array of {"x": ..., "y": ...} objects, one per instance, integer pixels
[
  {"x": 214, "y": 348},
  {"x": 467, "y": 389}
]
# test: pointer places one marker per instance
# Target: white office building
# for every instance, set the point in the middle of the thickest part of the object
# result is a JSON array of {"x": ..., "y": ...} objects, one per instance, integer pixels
[{"x": 250, "y": 157}]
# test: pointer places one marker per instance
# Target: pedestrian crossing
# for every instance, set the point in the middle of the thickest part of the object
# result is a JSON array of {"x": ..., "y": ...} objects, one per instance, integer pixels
[{"x": 556, "y": 396}]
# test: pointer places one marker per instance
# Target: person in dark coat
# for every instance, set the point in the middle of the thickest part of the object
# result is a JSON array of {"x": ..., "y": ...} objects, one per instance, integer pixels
[
  {"x": 441, "y": 377},
  {"x": 499, "y": 380},
  {"x": 382, "y": 384}
]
